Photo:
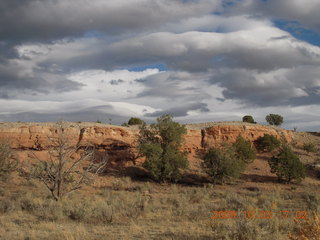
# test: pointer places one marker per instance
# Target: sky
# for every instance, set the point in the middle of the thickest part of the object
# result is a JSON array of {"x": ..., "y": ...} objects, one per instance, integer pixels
[{"x": 198, "y": 60}]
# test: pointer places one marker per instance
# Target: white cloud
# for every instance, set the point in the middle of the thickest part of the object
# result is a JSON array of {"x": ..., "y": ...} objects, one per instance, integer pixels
[
  {"x": 99, "y": 83},
  {"x": 263, "y": 48}
]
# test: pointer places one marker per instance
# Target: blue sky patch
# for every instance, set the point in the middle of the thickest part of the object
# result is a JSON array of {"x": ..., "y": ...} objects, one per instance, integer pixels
[{"x": 299, "y": 32}]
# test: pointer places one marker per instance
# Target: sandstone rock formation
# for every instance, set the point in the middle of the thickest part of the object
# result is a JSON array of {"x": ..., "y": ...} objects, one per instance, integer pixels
[
  {"x": 213, "y": 136},
  {"x": 120, "y": 143}
]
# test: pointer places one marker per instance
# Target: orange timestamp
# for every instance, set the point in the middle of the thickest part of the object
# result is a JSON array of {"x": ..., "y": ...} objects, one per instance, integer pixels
[{"x": 259, "y": 214}]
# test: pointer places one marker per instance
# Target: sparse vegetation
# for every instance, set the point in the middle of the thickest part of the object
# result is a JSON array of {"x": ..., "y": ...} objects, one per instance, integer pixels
[
  {"x": 287, "y": 165},
  {"x": 309, "y": 229},
  {"x": 160, "y": 144},
  {"x": 274, "y": 119},
  {"x": 8, "y": 163},
  {"x": 309, "y": 147},
  {"x": 176, "y": 211},
  {"x": 267, "y": 143},
  {"x": 248, "y": 119},
  {"x": 63, "y": 172}
]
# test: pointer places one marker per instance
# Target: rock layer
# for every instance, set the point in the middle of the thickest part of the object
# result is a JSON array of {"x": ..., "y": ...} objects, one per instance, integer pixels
[{"x": 120, "y": 143}]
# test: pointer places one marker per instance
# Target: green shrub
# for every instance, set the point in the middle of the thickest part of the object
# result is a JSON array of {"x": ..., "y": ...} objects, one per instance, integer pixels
[
  {"x": 248, "y": 119},
  {"x": 267, "y": 143},
  {"x": 245, "y": 151},
  {"x": 274, "y": 119},
  {"x": 160, "y": 144},
  {"x": 287, "y": 165},
  {"x": 135, "y": 121},
  {"x": 8, "y": 163},
  {"x": 223, "y": 163},
  {"x": 309, "y": 147}
]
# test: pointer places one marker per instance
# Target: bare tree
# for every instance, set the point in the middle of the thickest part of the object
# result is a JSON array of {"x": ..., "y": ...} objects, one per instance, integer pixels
[{"x": 68, "y": 166}]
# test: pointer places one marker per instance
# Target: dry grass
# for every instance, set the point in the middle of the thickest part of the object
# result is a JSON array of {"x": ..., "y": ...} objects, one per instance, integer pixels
[
  {"x": 309, "y": 229},
  {"x": 139, "y": 210}
]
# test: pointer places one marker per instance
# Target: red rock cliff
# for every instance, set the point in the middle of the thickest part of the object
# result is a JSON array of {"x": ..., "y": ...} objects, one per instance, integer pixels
[{"x": 120, "y": 142}]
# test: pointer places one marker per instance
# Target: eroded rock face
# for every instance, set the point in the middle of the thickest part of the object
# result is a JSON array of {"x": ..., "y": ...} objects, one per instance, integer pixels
[
  {"x": 213, "y": 136},
  {"x": 29, "y": 140},
  {"x": 120, "y": 143}
]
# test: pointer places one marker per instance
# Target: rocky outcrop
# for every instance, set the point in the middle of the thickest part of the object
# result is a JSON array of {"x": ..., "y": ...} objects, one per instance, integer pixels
[
  {"x": 120, "y": 143},
  {"x": 38, "y": 137},
  {"x": 213, "y": 136}
]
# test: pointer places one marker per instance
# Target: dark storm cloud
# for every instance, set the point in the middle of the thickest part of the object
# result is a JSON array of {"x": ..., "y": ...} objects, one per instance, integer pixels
[
  {"x": 312, "y": 98},
  {"x": 87, "y": 115},
  {"x": 7, "y": 50},
  {"x": 294, "y": 87},
  {"x": 303, "y": 11},
  {"x": 68, "y": 111},
  {"x": 13, "y": 79},
  {"x": 180, "y": 111},
  {"x": 54, "y": 19}
]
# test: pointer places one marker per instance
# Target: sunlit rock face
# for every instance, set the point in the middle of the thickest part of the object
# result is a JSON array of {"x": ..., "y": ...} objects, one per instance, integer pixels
[{"x": 120, "y": 143}]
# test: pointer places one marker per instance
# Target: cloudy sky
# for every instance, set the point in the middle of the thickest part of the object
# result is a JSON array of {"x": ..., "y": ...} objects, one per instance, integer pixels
[{"x": 199, "y": 60}]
